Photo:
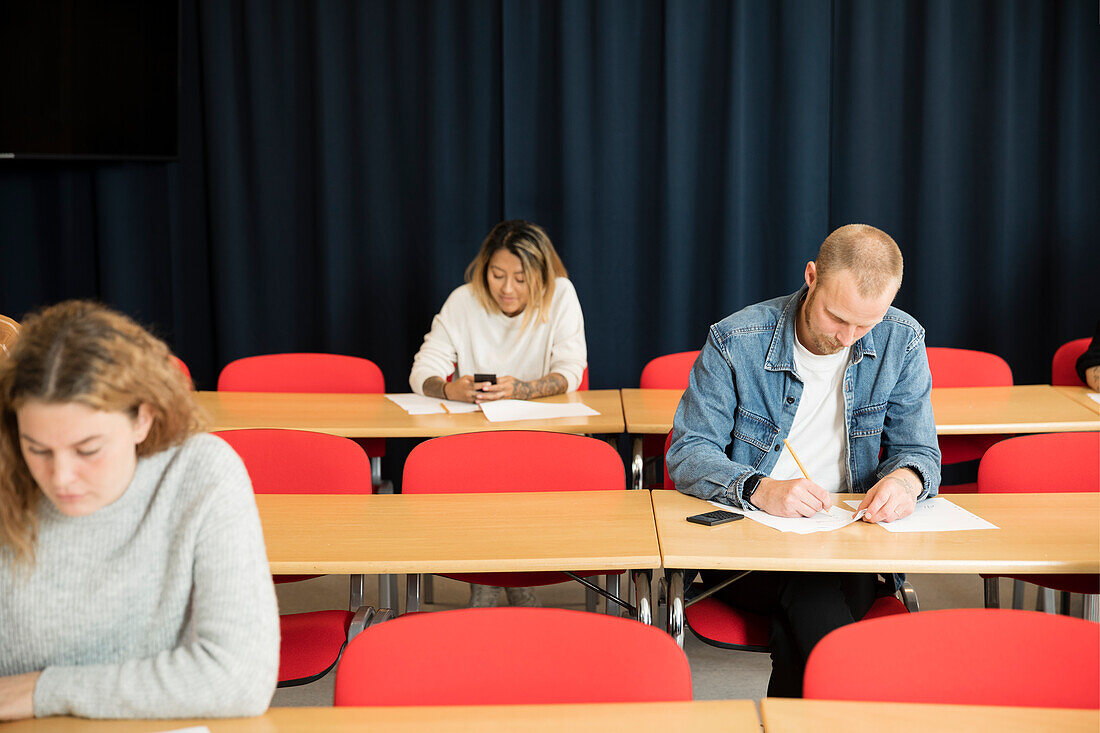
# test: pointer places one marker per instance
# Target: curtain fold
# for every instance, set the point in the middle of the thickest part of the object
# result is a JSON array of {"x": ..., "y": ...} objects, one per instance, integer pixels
[{"x": 340, "y": 163}]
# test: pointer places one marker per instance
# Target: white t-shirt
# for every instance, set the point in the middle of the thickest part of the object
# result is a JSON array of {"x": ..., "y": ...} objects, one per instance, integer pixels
[
  {"x": 481, "y": 342},
  {"x": 818, "y": 435}
]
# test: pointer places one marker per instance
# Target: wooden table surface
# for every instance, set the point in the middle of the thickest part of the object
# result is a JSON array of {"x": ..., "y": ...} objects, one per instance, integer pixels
[
  {"x": 1038, "y": 533},
  {"x": 374, "y": 416},
  {"x": 451, "y": 533},
  {"x": 785, "y": 715},
  {"x": 1032, "y": 408},
  {"x": 1081, "y": 395},
  {"x": 737, "y": 716}
]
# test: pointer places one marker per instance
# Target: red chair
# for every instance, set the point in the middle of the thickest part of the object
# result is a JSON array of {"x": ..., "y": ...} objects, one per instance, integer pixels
[
  {"x": 300, "y": 462},
  {"x": 506, "y": 461},
  {"x": 966, "y": 368},
  {"x": 1051, "y": 462},
  {"x": 307, "y": 372},
  {"x": 665, "y": 372},
  {"x": 183, "y": 367},
  {"x": 970, "y": 656},
  {"x": 1063, "y": 369},
  {"x": 511, "y": 656},
  {"x": 717, "y": 623}
]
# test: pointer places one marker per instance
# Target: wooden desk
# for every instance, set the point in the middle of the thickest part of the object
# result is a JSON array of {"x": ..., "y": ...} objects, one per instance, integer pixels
[
  {"x": 1031, "y": 408},
  {"x": 784, "y": 715},
  {"x": 1038, "y": 533},
  {"x": 737, "y": 716},
  {"x": 453, "y": 533},
  {"x": 374, "y": 416},
  {"x": 1081, "y": 396}
]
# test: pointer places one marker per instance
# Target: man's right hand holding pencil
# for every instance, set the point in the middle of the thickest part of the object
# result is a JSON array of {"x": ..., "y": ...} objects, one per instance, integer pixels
[{"x": 796, "y": 497}]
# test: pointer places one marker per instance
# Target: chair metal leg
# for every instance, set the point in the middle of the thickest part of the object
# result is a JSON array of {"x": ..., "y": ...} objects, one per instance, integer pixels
[
  {"x": 427, "y": 588},
  {"x": 376, "y": 470},
  {"x": 636, "y": 465},
  {"x": 676, "y": 605},
  {"x": 1046, "y": 601},
  {"x": 612, "y": 586},
  {"x": 909, "y": 597},
  {"x": 358, "y": 587},
  {"x": 412, "y": 593},
  {"x": 590, "y": 600},
  {"x": 643, "y": 599},
  {"x": 992, "y": 592},
  {"x": 1090, "y": 611},
  {"x": 387, "y": 591},
  {"x": 1066, "y": 598},
  {"x": 1018, "y": 587}
]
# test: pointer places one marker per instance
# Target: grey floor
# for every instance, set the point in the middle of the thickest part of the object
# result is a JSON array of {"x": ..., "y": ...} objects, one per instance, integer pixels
[{"x": 716, "y": 673}]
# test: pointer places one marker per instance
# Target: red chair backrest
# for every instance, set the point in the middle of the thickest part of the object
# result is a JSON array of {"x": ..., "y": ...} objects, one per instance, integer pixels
[
  {"x": 1063, "y": 369},
  {"x": 512, "y": 460},
  {"x": 183, "y": 367},
  {"x": 669, "y": 371},
  {"x": 511, "y": 656},
  {"x": 967, "y": 368},
  {"x": 583, "y": 386},
  {"x": 1050, "y": 462},
  {"x": 300, "y": 462},
  {"x": 302, "y": 373},
  {"x": 974, "y": 656}
]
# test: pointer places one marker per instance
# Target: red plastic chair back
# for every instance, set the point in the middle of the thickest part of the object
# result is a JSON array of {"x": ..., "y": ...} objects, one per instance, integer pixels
[
  {"x": 669, "y": 371},
  {"x": 1063, "y": 369},
  {"x": 512, "y": 460},
  {"x": 183, "y": 367},
  {"x": 668, "y": 479},
  {"x": 583, "y": 386},
  {"x": 300, "y": 462},
  {"x": 1050, "y": 462},
  {"x": 967, "y": 368},
  {"x": 961, "y": 657},
  {"x": 307, "y": 372},
  {"x": 511, "y": 656}
]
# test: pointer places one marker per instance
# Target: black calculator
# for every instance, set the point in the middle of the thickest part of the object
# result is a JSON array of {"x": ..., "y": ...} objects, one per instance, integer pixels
[{"x": 718, "y": 516}]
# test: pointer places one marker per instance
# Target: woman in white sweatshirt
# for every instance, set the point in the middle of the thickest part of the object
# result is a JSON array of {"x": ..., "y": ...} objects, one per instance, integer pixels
[{"x": 518, "y": 318}]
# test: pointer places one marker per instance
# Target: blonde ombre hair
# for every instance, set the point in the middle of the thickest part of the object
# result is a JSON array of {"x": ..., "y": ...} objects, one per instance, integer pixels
[
  {"x": 541, "y": 266},
  {"x": 83, "y": 352}
]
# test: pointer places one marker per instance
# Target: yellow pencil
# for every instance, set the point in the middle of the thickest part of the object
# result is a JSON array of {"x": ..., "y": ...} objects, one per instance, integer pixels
[
  {"x": 800, "y": 466},
  {"x": 795, "y": 457}
]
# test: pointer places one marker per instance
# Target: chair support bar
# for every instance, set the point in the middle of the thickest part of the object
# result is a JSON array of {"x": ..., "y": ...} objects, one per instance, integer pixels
[
  {"x": 597, "y": 589},
  {"x": 717, "y": 587}
]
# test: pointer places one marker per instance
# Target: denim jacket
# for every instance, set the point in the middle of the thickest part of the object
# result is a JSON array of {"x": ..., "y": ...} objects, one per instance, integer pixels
[{"x": 743, "y": 393}]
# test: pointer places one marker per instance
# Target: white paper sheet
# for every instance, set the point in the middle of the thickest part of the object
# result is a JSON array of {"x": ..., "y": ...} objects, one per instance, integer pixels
[
  {"x": 416, "y": 404},
  {"x": 935, "y": 515},
  {"x": 1095, "y": 396},
  {"x": 836, "y": 518},
  {"x": 504, "y": 410}
]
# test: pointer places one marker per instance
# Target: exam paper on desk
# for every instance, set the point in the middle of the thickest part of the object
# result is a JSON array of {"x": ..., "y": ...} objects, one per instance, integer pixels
[
  {"x": 935, "y": 515},
  {"x": 416, "y": 404},
  {"x": 1094, "y": 396},
  {"x": 504, "y": 410},
  {"x": 835, "y": 518}
]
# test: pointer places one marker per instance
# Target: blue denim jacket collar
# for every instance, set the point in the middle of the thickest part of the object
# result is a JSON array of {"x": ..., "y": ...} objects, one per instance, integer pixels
[{"x": 780, "y": 355}]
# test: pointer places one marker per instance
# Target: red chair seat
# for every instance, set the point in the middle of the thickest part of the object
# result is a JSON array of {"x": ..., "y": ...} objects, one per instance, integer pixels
[
  {"x": 721, "y": 625},
  {"x": 311, "y": 644}
]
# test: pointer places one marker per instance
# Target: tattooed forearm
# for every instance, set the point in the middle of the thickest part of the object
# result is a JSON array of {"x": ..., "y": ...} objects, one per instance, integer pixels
[
  {"x": 553, "y": 383},
  {"x": 435, "y": 387}
]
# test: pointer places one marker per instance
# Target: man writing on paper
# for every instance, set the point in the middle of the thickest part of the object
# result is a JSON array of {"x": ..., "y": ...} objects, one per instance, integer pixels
[{"x": 843, "y": 377}]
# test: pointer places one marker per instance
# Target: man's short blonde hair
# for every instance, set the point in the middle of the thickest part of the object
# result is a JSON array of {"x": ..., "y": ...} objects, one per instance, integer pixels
[{"x": 870, "y": 254}]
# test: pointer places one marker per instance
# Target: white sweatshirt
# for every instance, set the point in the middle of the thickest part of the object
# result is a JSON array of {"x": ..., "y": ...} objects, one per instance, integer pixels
[{"x": 481, "y": 342}]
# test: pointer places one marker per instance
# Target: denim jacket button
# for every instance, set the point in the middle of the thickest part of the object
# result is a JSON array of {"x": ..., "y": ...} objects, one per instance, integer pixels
[
  {"x": 778, "y": 446},
  {"x": 790, "y": 400}
]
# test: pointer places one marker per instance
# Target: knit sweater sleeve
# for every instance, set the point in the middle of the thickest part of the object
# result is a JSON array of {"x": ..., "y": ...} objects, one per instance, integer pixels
[
  {"x": 568, "y": 349},
  {"x": 439, "y": 352},
  {"x": 227, "y": 657}
]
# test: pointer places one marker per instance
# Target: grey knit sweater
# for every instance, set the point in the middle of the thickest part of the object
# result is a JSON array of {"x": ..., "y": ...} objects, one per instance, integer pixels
[{"x": 159, "y": 605}]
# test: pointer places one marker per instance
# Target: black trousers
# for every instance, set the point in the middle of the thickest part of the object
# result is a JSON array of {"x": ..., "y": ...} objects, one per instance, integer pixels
[{"x": 803, "y": 607}]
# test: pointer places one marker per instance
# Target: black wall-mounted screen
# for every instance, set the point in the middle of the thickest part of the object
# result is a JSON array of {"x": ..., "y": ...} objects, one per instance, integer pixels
[{"x": 89, "y": 79}]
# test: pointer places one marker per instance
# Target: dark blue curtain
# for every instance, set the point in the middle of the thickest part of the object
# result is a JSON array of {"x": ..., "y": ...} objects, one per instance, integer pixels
[{"x": 340, "y": 163}]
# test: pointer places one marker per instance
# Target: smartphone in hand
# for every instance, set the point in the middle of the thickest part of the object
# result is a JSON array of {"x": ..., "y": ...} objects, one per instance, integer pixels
[{"x": 490, "y": 378}]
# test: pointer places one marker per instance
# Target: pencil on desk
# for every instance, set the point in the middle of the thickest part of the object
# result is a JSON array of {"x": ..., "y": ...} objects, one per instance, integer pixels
[{"x": 795, "y": 457}]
